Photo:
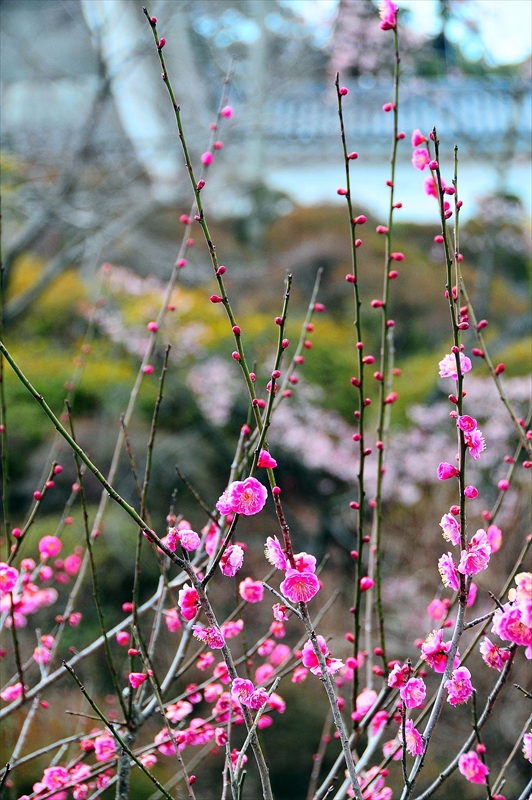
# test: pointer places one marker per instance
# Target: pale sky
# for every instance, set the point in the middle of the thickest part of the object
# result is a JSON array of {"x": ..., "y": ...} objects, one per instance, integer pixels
[{"x": 505, "y": 26}]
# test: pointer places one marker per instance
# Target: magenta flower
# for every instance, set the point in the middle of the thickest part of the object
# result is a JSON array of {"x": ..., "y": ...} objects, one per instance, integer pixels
[
  {"x": 224, "y": 504},
  {"x": 447, "y": 471},
  {"x": 414, "y": 740},
  {"x": 495, "y": 657},
  {"x": 437, "y": 608},
  {"x": 477, "y": 555},
  {"x": 189, "y": 539},
  {"x": 279, "y": 612},
  {"x": 300, "y": 587},
  {"x": 232, "y": 628},
  {"x": 274, "y": 553},
  {"x": 188, "y": 601},
  {"x": 104, "y": 747},
  {"x": 242, "y": 690},
  {"x": 8, "y": 578},
  {"x": 475, "y": 442},
  {"x": 310, "y": 660},
  {"x": 251, "y": 591},
  {"x": 387, "y": 13},
  {"x": 448, "y": 572},
  {"x": 232, "y": 560},
  {"x": 448, "y": 366},
  {"x": 527, "y": 746},
  {"x": 466, "y": 423},
  {"x": 459, "y": 686},
  {"x": 11, "y": 692},
  {"x": 450, "y": 528},
  {"x": 398, "y": 676},
  {"x": 53, "y": 778},
  {"x": 413, "y": 692},
  {"x": 49, "y": 546},
  {"x": 509, "y": 625},
  {"x": 420, "y": 158},
  {"x": 213, "y": 636},
  {"x": 472, "y": 768},
  {"x": 280, "y": 654},
  {"x": 418, "y": 138},
  {"x": 430, "y": 186},
  {"x": 266, "y": 461},
  {"x": 434, "y": 651},
  {"x": 258, "y": 699},
  {"x": 305, "y": 562},
  {"x": 494, "y": 537},
  {"x": 136, "y": 679},
  {"x": 364, "y": 702},
  {"x": 243, "y": 497}
]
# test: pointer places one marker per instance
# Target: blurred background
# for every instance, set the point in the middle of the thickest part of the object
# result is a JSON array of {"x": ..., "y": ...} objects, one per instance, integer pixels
[{"x": 92, "y": 174}]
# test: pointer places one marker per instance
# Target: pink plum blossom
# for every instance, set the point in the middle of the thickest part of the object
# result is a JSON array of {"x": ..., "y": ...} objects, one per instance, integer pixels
[
  {"x": 232, "y": 628},
  {"x": 53, "y": 778},
  {"x": 420, "y": 158},
  {"x": 494, "y": 537},
  {"x": 279, "y": 612},
  {"x": 448, "y": 366},
  {"x": 434, "y": 651},
  {"x": 477, "y": 555},
  {"x": 430, "y": 187},
  {"x": 300, "y": 587},
  {"x": 437, "y": 609},
  {"x": 188, "y": 601},
  {"x": 472, "y": 768},
  {"x": 310, "y": 660},
  {"x": 274, "y": 553},
  {"x": 447, "y": 471},
  {"x": 280, "y": 654},
  {"x": 387, "y": 13},
  {"x": 49, "y": 546},
  {"x": 8, "y": 578},
  {"x": 232, "y": 560},
  {"x": 178, "y": 711},
  {"x": 72, "y": 564},
  {"x": 243, "y": 497},
  {"x": 242, "y": 690},
  {"x": 365, "y": 702},
  {"x": 104, "y": 747},
  {"x": 171, "y": 617},
  {"x": 213, "y": 636},
  {"x": 418, "y": 138},
  {"x": 378, "y": 722},
  {"x": 475, "y": 442},
  {"x": 450, "y": 528},
  {"x": 305, "y": 562},
  {"x": 136, "y": 679},
  {"x": 414, "y": 740},
  {"x": 398, "y": 676},
  {"x": 264, "y": 673},
  {"x": 508, "y": 624},
  {"x": 266, "y": 461},
  {"x": 189, "y": 540},
  {"x": 448, "y": 571},
  {"x": 123, "y": 637},
  {"x": 413, "y": 692},
  {"x": 251, "y": 591},
  {"x": 459, "y": 686},
  {"x": 495, "y": 657},
  {"x": 527, "y": 746},
  {"x": 11, "y": 692}
]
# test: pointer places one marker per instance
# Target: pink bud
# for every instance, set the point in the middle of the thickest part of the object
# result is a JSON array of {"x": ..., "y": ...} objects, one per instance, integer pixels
[
  {"x": 285, "y": 343},
  {"x": 227, "y": 112},
  {"x": 342, "y": 192},
  {"x": 200, "y": 185},
  {"x": 388, "y": 107},
  {"x": 382, "y": 229},
  {"x": 276, "y": 491},
  {"x": 153, "y": 327},
  {"x": 236, "y": 355},
  {"x": 433, "y": 164},
  {"x": 221, "y": 270},
  {"x": 216, "y": 298},
  {"x": 438, "y": 239},
  {"x": 482, "y": 324},
  {"x": 504, "y": 485},
  {"x": 499, "y": 368},
  {"x": 343, "y": 91},
  {"x": 185, "y": 219},
  {"x": 350, "y": 278},
  {"x": 161, "y": 43},
  {"x": 360, "y": 220},
  {"x": 218, "y": 145},
  {"x": 377, "y": 303},
  {"x": 236, "y": 330},
  {"x": 37, "y": 496},
  {"x": 181, "y": 262},
  {"x": 352, "y": 156},
  {"x": 365, "y": 584},
  {"x": 393, "y": 274},
  {"x": 471, "y": 492},
  {"x": 148, "y": 369},
  {"x": 397, "y": 257},
  {"x": 207, "y": 158}
]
